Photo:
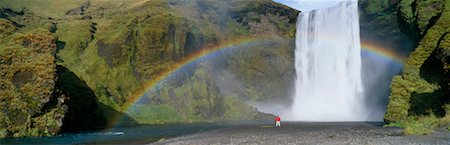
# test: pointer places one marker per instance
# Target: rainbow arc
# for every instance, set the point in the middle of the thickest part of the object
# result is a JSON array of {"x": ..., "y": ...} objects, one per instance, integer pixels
[{"x": 385, "y": 54}]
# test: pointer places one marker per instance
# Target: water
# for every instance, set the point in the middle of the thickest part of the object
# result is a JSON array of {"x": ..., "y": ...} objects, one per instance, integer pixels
[
  {"x": 127, "y": 135},
  {"x": 328, "y": 66}
]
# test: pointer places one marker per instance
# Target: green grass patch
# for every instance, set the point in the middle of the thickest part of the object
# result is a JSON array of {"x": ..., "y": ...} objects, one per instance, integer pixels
[
  {"x": 43, "y": 8},
  {"x": 150, "y": 35},
  {"x": 376, "y": 6},
  {"x": 237, "y": 110},
  {"x": 416, "y": 125},
  {"x": 154, "y": 114},
  {"x": 404, "y": 108}
]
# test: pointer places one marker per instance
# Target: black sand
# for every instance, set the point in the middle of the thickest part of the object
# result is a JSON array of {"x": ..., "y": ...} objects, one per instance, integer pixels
[{"x": 310, "y": 133}]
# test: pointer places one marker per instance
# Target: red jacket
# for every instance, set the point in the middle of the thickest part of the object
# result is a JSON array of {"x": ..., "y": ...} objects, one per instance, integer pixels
[{"x": 277, "y": 118}]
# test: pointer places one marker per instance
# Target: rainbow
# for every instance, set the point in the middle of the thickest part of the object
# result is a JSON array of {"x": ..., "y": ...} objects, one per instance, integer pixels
[
  {"x": 186, "y": 61},
  {"x": 385, "y": 53},
  {"x": 367, "y": 47}
]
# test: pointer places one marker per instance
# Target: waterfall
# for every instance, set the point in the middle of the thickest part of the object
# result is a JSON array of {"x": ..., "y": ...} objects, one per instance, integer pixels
[{"x": 328, "y": 85}]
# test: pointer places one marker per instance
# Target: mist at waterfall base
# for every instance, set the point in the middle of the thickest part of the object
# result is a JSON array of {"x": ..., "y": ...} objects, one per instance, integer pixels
[
  {"x": 332, "y": 91},
  {"x": 362, "y": 99},
  {"x": 328, "y": 66}
]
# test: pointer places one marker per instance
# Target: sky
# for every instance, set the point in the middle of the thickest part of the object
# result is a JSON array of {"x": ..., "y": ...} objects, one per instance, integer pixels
[{"x": 308, "y": 5}]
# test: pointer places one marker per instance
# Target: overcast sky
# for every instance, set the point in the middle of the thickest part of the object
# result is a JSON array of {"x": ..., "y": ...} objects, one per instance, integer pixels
[{"x": 307, "y": 5}]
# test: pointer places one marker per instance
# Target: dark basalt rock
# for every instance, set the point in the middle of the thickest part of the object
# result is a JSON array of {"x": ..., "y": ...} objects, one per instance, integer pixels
[
  {"x": 79, "y": 10},
  {"x": 22, "y": 78},
  {"x": 110, "y": 52}
]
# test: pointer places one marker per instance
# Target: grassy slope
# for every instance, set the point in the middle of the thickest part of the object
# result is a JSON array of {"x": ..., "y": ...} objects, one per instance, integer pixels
[
  {"x": 414, "y": 82},
  {"x": 125, "y": 44},
  {"x": 54, "y": 9},
  {"x": 27, "y": 83}
]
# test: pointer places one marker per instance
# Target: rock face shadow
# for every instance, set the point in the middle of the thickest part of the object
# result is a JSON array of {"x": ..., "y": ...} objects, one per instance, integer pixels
[
  {"x": 116, "y": 118},
  {"x": 83, "y": 113},
  {"x": 421, "y": 104},
  {"x": 84, "y": 110}
]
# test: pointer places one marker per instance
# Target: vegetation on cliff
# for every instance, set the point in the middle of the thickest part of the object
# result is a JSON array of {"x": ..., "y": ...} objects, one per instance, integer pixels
[
  {"x": 74, "y": 65},
  {"x": 99, "y": 53},
  {"x": 379, "y": 22},
  {"x": 420, "y": 96},
  {"x": 28, "y": 103}
]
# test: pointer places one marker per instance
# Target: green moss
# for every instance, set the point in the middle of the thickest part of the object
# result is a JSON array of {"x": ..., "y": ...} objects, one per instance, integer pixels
[
  {"x": 154, "y": 114},
  {"x": 416, "y": 124},
  {"x": 421, "y": 126},
  {"x": 376, "y": 6},
  {"x": 119, "y": 46},
  {"x": 3, "y": 132},
  {"x": 48, "y": 124},
  {"x": 236, "y": 110},
  {"x": 422, "y": 85},
  {"x": 6, "y": 29},
  {"x": 55, "y": 9},
  {"x": 406, "y": 11},
  {"x": 80, "y": 55},
  {"x": 427, "y": 11},
  {"x": 411, "y": 81},
  {"x": 418, "y": 16},
  {"x": 28, "y": 71},
  {"x": 236, "y": 28}
]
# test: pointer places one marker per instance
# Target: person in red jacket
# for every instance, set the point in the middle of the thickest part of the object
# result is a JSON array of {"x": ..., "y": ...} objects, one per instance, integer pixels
[{"x": 278, "y": 121}]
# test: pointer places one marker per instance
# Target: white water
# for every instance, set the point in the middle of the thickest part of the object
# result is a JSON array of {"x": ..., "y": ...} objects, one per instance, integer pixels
[{"x": 328, "y": 66}]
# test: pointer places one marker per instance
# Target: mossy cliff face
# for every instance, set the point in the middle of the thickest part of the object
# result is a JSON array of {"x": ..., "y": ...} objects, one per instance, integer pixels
[
  {"x": 104, "y": 52},
  {"x": 379, "y": 23},
  {"x": 417, "y": 16},
  {"x": 38, "y": 96},
  {"x": 181, "y": 28},
  {"x": 422, "y": 92},
  {"x": 28, "y": 76}
]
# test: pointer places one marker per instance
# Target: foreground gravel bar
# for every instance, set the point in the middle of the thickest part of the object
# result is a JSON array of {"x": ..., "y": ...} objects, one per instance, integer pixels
[{"x": 309, "y": 133}]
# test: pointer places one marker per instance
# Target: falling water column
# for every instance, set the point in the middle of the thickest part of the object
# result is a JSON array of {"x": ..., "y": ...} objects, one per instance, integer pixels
[{"x": 328, "y": 65}]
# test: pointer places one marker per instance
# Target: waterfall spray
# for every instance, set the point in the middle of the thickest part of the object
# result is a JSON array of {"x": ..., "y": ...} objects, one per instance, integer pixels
[{"x": 328, "y": 85}]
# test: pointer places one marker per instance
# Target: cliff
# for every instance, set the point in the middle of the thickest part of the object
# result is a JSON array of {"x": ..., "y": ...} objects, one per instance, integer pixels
[
  {"x": 75, "y": 65},
  {"x": 420, "y": 96}
]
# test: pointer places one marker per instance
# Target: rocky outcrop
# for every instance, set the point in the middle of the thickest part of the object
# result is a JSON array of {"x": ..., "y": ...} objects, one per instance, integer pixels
[
  {"x": 379, "y": 22},
  {"x": 421, "y": 91},
  {"x": 106, "y": 51},
  {"x": 29, "y": 105},
  {"x": 198, "y": 91},
  {"x": 39, "y": 97},
  {"x": 79, "y": 10},
  {"x": 416, "y": 17},
  {"x": 75, "y": 67}
]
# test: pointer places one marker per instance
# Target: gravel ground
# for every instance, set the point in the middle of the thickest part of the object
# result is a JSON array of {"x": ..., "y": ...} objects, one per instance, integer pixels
[{"x": 309, "y": 133}]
